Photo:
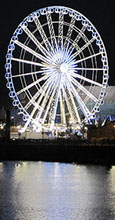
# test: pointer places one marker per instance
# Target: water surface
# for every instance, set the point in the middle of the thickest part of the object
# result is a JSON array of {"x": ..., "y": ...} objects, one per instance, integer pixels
[{"x": 56, "y": 191}]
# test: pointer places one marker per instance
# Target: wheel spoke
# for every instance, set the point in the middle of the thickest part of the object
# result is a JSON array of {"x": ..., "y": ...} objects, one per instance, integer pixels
[
  {"x": 32, "y": 101},
  {"x": 76, "y": 40},
  {"x": 28, "y": 62},
  {"x": 42, "y": 33},
  {"x": 76, "y": 83},
  {"x": 35, "y": 41},
  {"x": 89, "y": 57},
  {"x": 39, "y": 56},
  {"x": 92, "y": 69},
  {"x": 35, "y": 107},
  {"x": 80, "y": 34},
  {"x": 84, "y": 108},
  {"x": 86, "y": 79},
  {"x": 46, "y": 85},
  {"x": 42, "y": 90},
  {"x": 32, "y": 84},
  {"x": 79, "y": 50},
  {"x": 51, "y": 30},
  {"x": 60, "y": 29},
  {"x": 69, "y": 33},
  {"x": 27, "y": 74}
]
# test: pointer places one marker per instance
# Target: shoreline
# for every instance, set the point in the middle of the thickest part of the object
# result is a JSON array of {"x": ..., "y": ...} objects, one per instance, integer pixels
[{"x": 60, "y": 151}]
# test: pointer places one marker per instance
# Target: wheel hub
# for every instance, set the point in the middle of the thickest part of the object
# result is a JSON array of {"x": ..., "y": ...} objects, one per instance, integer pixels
[{"x": 63, "y": 68}]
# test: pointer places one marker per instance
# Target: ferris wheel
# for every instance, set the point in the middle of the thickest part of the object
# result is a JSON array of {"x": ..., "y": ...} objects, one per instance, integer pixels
[{"x": 55, "y": 61}]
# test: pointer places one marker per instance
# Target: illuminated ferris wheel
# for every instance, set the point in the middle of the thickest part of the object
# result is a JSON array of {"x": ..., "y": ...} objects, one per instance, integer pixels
[{"x": 55, "y": 61}]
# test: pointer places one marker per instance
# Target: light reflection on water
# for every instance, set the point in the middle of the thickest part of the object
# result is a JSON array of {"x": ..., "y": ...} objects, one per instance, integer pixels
[{"x": 56, "y": 191}]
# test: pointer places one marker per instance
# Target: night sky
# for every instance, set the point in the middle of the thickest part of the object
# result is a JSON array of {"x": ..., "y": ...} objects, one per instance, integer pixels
[{"x": 100, "y": 13}]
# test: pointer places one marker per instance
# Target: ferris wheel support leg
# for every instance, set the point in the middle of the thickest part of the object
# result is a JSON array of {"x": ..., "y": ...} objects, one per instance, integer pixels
[
  {"x": 55, "y": 106},
  {"x": 62, "y": 110},
  {"x": 74, "y": 106},
  {"x": 44, "y": 102},
  {"x": 49, "y": 104},
  {"x": 69, "y": 106},
  {"x": 84, "y": 108}
]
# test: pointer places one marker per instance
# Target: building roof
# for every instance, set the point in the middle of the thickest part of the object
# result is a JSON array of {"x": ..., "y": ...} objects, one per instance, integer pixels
[{"x": 108, "y": 108}]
